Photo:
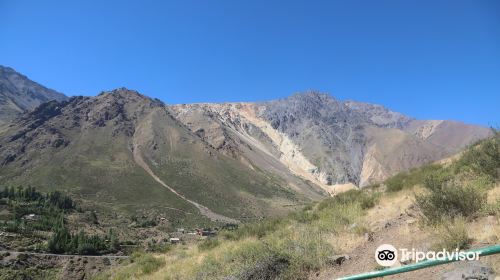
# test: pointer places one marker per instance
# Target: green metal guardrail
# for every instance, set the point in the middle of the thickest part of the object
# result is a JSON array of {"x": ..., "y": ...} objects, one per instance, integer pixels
[{"x": 424, "y": 264}]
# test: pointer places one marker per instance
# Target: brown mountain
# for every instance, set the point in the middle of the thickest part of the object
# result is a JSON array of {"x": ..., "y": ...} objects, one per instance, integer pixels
[{"x": 127, "y": 151}]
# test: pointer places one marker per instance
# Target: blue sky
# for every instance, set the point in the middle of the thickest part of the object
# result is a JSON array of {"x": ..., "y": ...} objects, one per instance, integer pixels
[{"x": 428, "y": 59}]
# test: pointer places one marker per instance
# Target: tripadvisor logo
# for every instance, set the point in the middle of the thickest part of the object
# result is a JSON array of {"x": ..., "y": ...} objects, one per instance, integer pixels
[{"x": 387, "y": 255}]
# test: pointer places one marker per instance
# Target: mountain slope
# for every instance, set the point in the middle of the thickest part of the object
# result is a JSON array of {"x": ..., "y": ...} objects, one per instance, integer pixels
[
  {"x": 19, "y": 94},
  {"x": 118, "y": 147},
  {"x": 330, "y": 143},
  {"x": 225, "y": 162}
]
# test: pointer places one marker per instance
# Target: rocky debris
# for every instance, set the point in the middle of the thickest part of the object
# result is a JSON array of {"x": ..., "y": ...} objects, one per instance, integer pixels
[
  {"x": 268, "y": 269},
  {"x": 472, "y": 270},
  {"x": 369, "y": 237},
  {"x": 337, "y": 259}
]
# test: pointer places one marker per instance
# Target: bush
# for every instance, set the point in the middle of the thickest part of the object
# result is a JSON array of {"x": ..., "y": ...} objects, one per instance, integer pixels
[
  {"x": 482, "y": 158},
  {"x": 304, "y": 216},
  {"x": 147, "y": 263},
  {"x": 453, "y": 235},
  {"x": 208, "y": 244},
  {"x": 159, "y": 247},
  {"x": 288, "y": 253},
  {"x": 257, "y": 229},
  {"x": 364, "y": 199},
  {"x": 448, "y": 200},
  {"x": 413, "y": 177}
]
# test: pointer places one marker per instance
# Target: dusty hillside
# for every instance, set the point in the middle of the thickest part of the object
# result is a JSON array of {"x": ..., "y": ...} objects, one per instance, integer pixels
[{"x": 19, "y": 94}]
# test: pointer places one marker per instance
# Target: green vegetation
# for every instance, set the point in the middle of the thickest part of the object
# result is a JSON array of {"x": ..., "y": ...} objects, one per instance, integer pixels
[
  {"x": 159, "y": 246},
  {"x": 459, "y": 190},
  {"x": 364, "y": 199},
  {"x": 411, "y": 178},
  {"x": 286, "y": 248},
  {"x": 34, "y": 211},
  {"x": 482, "y": 158},
  {"x": 147, "y": 263},
  {"x": 62, "y": 241},
  {"x": 479, "y": 161},
  {"x": 453, "y": 235},
  {"x": 7, "y": 273},
  {"x": 208, "y": 244},
  {"x": 140, "y": 264},
  {"x": 290, "y": 247},
  {"x": 449, "y": 200},
  {"x": 143, "y": 222}
]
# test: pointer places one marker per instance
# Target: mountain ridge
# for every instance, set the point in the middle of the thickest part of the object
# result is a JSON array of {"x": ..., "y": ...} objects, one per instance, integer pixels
[
  {"x": 18, "y": 94},
  {"x": 227, "y": 161},
  {"x": 319, "y": 124}
]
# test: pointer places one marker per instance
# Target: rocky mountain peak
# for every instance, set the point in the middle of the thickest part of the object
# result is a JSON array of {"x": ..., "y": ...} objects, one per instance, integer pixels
[
  {"x": 126, "y": 96},
  {"x": 19, "y": 94}
]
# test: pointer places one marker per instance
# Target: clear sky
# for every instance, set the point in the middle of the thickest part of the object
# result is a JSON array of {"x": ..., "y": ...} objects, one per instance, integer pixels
[{"x": 428, "y": 59}]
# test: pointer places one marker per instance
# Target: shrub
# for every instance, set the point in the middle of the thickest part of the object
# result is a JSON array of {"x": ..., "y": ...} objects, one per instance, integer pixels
[
  {"x": 208, "y": 244},
  {"x": 257, "y": 229},
  {"x": 287, "y": 253},
  {"x": 364, "y": 199},
  {"x": 448, "y": 199},
  {"x": 413, "y": 177},
  {"x": 482, "y": 158},
  {"x": 453, "y": 235},
  {"x": 304, "y": 216},
  {"x": 159, "y": 247},
  {"x": 147, "y": 263}
]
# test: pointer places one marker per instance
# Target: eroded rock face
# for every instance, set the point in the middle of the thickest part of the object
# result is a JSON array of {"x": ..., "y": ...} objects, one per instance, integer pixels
[
  {"x": 326, "y": 141},
  {"x": 329, "y": 133}
]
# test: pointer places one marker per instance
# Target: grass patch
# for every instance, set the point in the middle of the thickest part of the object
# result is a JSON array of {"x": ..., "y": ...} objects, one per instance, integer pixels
[
  {"x": 285, "y": 248},
  {"x": 482, "y": 158},
  {"x": 208, "y": 244},
  {"x": 140, "y": 264},
  {"x": 453, "y": 235},
  {"x": 147, "y": 263},
  {"x": 413, "y": 177}
]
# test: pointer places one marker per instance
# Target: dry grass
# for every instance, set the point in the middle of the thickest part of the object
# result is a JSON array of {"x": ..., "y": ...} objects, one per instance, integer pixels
[{"x": 391, "y": 206}]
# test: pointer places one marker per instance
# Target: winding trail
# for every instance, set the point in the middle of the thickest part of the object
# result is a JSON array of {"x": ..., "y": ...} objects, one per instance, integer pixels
[{"x": 203, "y": 209}]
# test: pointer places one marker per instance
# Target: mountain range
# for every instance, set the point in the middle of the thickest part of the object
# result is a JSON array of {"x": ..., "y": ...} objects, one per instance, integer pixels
[{"x": 221, "y": 162}]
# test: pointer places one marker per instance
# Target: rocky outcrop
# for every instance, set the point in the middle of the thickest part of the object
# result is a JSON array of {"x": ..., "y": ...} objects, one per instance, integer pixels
[{"x": 325, "y": 141}]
